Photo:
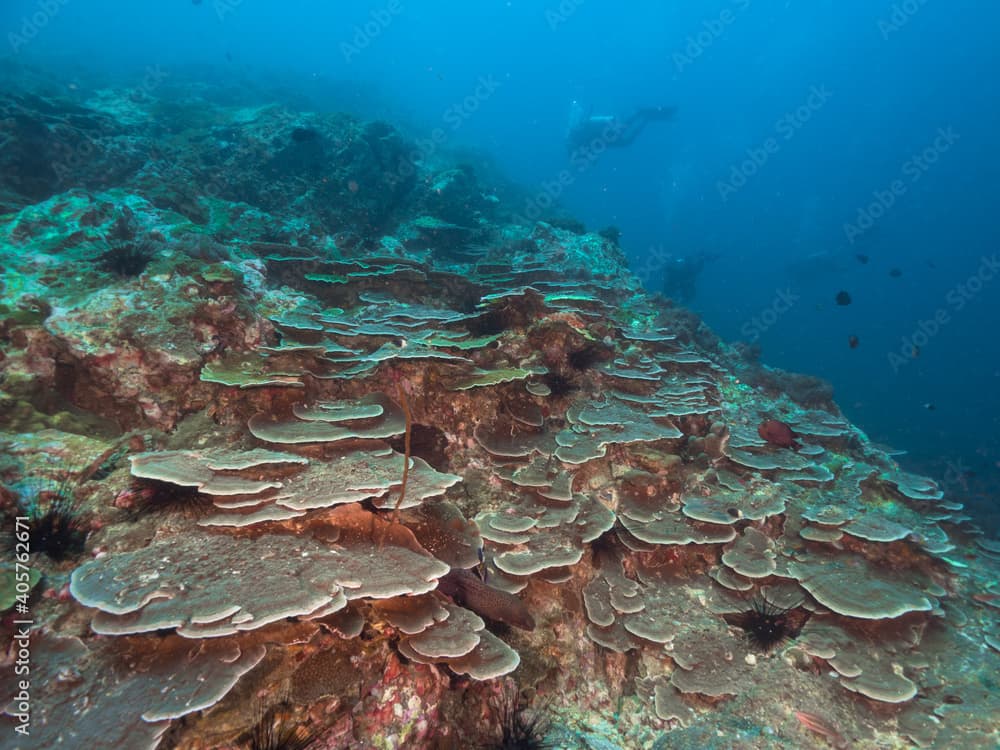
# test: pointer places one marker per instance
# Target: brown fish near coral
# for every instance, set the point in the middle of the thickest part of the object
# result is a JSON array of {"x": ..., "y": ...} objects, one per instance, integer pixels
[
  {"x": 467, "y": 590},
  {"x": 821, "y": 726},
  {"x": 778, "y": 433}
]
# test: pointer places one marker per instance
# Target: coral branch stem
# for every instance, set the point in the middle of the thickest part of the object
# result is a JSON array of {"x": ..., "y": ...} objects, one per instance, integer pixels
[{"x": 408, "y": 415}]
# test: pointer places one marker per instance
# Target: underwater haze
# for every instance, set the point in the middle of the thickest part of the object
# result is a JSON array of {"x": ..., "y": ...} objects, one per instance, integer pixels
[
  {"x": 817, "y": 147},
  {"x": 509, "y": 374}
]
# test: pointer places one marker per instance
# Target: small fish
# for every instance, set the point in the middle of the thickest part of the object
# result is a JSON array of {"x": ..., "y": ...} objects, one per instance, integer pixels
[
  {"x": 895, "y": 273},
  {"x": 779, "y": 433},
  {"x": 929, "y": 406},
  {"x": 843, "y": 298},
  {"x": 466, "y": 590},
  {"x": 915, "y": 352},
  {"x": 481, "y": 570},
  {"x": 823, "y": 727},
  {"x": 862, "y": 258},
  {"x": 853, "y": 341}
]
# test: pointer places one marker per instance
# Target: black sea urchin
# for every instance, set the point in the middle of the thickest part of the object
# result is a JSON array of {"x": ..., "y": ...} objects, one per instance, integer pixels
[
  {"x": 517, "y": 727},
  {"x": 588, "y": 356},
  {"x": 162, "y": 497},
  {"x": 276, "y": 730},
  {"x": 56, "y": 526},
  {"x": 559, "y": 385},
  {"x": 127, "y": 259},
  {"x": 768, "y": 625}
]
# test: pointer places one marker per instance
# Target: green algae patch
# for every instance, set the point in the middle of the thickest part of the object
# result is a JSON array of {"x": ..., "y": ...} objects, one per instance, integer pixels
[
  {"x": 247, "y": 372},
  {"x": 477, "y": 342},
  {"x": 25, "y": 315},
  {"x": 836, "y": 463},
  {"x": 220, "y": 273},
  {"x": 882, "y": 502},
  {"x": 20, "y": 415},
  {"x": 11, "y": 587},
  {"x": 327, "y": 278},
  {"x": 570, "y": 297},
  {"x": 495, "y": 377}
]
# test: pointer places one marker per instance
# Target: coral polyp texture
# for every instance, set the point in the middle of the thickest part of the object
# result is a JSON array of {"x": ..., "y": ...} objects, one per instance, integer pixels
[{"x": 450, "y": 467}]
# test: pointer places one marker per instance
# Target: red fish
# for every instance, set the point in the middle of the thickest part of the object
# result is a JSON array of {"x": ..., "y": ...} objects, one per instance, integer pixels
[
  {"x": 822, "y": 727},
  {"x": 779, "y": 433}
]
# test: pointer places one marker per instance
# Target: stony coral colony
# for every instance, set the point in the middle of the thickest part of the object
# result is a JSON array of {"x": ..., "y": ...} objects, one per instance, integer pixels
[{"x": 591, "y": 520}]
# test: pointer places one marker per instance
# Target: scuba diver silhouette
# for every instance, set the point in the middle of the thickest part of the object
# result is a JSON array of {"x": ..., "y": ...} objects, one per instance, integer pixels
[
  {"x": 680, "y": 275},
  {"x": 590, "y": 134}
]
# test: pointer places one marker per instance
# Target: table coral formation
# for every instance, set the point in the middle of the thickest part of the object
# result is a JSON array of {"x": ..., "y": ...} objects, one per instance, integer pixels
[{"x": 443, "y": 455}]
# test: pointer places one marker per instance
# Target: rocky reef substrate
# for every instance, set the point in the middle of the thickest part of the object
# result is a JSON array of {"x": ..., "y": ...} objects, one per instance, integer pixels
[{"x": 311, "y": 439}]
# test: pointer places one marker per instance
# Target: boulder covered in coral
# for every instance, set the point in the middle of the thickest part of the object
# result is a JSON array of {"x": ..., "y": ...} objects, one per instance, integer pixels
[{"x": 340, "y": 446}]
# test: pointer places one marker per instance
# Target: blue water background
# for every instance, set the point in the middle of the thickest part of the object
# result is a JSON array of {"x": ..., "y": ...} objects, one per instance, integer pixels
[{"x": 796, "y": 120}]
